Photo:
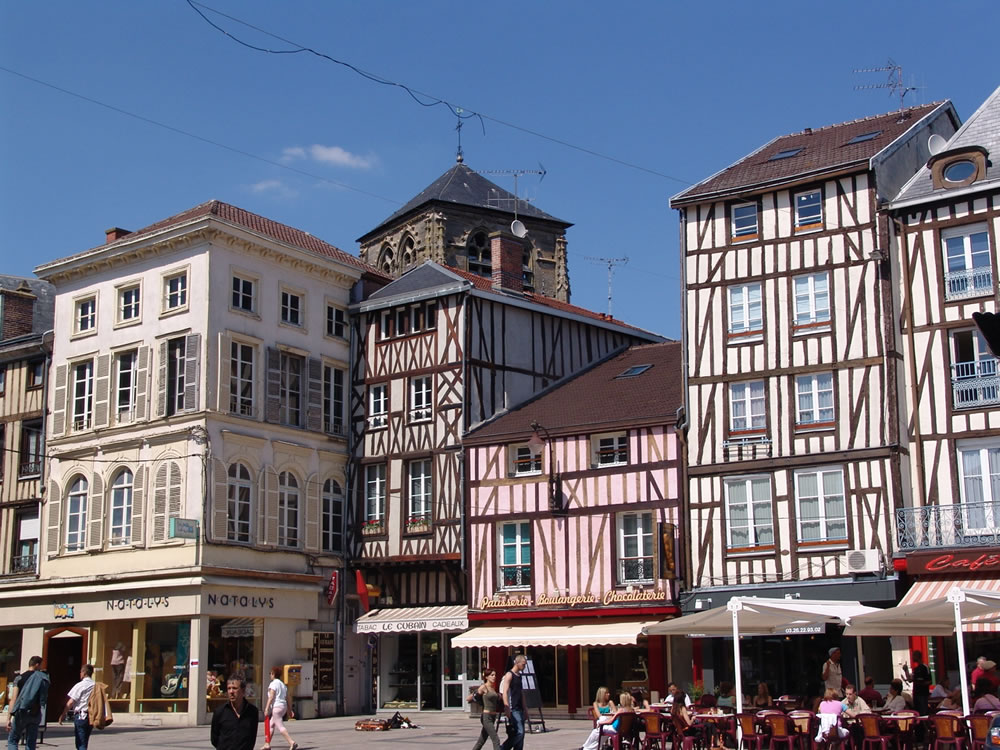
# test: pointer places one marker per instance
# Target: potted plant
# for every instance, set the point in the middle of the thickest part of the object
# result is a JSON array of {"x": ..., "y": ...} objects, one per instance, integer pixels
[
  {"x": 372, "y": 526},
  {"x": 418, "y": 524}
]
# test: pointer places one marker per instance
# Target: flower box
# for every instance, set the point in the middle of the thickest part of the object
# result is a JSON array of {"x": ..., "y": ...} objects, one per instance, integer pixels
[
  {"x": 371, "y": 528},
  {"x": 418, "y": 525}
]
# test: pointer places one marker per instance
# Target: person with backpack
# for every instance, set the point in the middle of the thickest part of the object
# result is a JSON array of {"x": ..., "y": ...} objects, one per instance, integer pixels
[
  {"x": 78, "y": 701},
  {"x": 29, "y": 699}
]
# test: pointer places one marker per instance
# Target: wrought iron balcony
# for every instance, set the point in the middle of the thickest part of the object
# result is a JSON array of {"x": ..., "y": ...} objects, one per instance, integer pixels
[
  {"x": 746, "y": 448},
  {"x": 975, "y": 383},
  {"x": 962, "y": 525},
  {"x": 635, "y": 570},
  {"x": 971, "y": 282},
  {"x": 24, "y": 564},
  {"x": 30, "y": 469},
  {"x": 515, "y": 576}
]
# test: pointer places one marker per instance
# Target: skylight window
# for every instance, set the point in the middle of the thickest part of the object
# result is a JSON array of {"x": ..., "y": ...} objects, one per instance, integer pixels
[
  {"x": 633, "y": 371},
  {"x": 785, "y": 154},
  {"x": 864, "y": 137}
]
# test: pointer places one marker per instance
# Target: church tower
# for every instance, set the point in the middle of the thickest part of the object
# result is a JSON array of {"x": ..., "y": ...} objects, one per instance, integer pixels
[{"x": 451, "y": 221}]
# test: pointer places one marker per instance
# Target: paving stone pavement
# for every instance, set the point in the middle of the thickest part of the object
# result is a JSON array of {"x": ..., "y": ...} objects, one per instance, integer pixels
[{"x": 437, "y": 730}]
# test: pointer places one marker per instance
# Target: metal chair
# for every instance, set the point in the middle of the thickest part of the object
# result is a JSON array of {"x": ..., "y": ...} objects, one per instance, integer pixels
[
  {"x": 623, "y": 734},
  {"x": 979, "y": 730},
  {"x": 782, "y": 731},
  {"x": 872, "y": 735},
  {"x": 752, "y": 739},
  {"x": 806, "y": 724},
  {"x": 948, "y": 732},
  {"x": 657, "y": 731}
]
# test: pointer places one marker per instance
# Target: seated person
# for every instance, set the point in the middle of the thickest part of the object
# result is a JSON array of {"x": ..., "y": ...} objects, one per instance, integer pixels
[
  {"x": 763, "y": 697},
  {"x": 672, "y": 690},
  {"x": 684, "y": 723},
  {"x": 707, "y": 701},
  {"x": 853, "y": 704},
  {"x": 895, "y": 701},
  {"x": 727, "y": 695},
  {"x": 831, "y": 704},
  {"x": 639, "y": 702},
  {"x": 872, "y": 696},
  {"x": 952, "y": 701},
  {"x": 603, "y": 705},
  {"x": 829, "y": 712},
  {"x": 608, "y": 725},
  {"x": 984, "y": 698},
  {"x": 942, "y": 689}
]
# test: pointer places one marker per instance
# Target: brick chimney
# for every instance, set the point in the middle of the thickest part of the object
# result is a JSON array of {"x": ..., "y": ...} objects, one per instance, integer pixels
[
  {"x": 507, "y": 259},
  {"x": 17, "y": 308},
  {"x": 114, "y": 234}
]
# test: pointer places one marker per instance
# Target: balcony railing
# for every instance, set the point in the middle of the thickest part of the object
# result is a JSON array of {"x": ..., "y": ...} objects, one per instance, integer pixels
[
  {"x": 23, "y": 564},
  {"x": 30, "y": 469},
  {"x": 961, "y": 525},
  {"x": 747, "y": 448},
  {"x": 635, "y": 570},
  {"x": 975, "y": 383},
  {"x": 515, "y": 576},
  {"x": 971, "y": 282}
]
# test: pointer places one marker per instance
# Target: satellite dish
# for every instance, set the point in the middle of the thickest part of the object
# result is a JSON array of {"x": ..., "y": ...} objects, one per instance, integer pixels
[
  {"x": 936, "y": 144},
  {"x": 518, "y": 228}
]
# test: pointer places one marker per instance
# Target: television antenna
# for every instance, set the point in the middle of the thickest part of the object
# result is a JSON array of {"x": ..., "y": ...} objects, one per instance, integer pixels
[
  {"x": 894, "y": 83},
  {"x": 504, "y": 204},
  {"x": 610, "y": 263}
]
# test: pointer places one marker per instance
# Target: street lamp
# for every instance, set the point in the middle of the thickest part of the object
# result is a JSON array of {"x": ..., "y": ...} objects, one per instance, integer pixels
[{"x": 536, "y": 443}]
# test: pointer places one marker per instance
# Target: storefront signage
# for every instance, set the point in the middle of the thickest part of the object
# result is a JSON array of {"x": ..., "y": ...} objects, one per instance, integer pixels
[
  {"x": 138, "y": 602},
  {"x": 183, "y": 528},
  {"x": 241, "y": 601},
  {"x": 411, "y": 626},
  {"x": 331, "y": 590},
  {"x": 615, "y": 596},
  {"x": 62, "y": 611},
  {"x": 953, "y": 562}
]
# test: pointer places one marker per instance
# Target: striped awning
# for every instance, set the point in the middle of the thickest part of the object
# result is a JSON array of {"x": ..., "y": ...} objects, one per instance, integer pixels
[
  {"x": 242, "y": 627},
  {"x": 938, "y": 588},
  {"x": 414, "y": 619},
  {"x": 558, "y": 633}
]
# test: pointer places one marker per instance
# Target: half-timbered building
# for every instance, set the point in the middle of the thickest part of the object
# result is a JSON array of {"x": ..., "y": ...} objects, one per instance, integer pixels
[
  {"x": 440, "y": 350},
  {"x": 194, "y": 495},
  {"x": 794, "y": 452},
  {"x": 574, "y": 529},
  {"x": 946, "y": 222}
]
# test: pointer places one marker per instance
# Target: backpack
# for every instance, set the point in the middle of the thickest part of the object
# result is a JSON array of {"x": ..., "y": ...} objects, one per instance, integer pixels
[{"x": 98, "y": 708}]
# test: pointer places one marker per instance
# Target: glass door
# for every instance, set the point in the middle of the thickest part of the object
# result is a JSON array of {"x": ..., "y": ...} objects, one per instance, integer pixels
[
  {"x": 461, "y": 674},
  {"x": 430, "y": 670}
]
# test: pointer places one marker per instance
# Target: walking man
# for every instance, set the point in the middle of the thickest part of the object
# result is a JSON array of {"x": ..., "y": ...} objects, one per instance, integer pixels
[
  {"x": 29, "y": 699},
  {"x": 234, "y": 724},
  {"x": 77, "y": 701},
  {"x": 513, "y": 704}
]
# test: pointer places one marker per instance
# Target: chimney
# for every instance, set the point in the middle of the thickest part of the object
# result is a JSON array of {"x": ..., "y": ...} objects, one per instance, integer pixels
[
  {"x": 114, "y": 234},
  {"x": 17, "y": 308},
  {"x": 507, "y": 260}
]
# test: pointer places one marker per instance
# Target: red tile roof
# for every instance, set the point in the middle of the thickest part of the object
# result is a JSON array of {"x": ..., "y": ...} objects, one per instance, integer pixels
[
  {"x": 597, "y": 399},
  {"x": 821, "y": 149}
]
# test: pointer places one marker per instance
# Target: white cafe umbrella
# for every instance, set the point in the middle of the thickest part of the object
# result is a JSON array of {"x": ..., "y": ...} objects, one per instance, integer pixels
[
  {"x": 759, "y": 616},
  {"x": 941, "y": 616}
]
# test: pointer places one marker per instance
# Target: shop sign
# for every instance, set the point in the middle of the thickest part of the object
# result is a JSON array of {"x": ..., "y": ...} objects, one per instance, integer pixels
[
  {"x": 62, "y": 611},
  {"x": 412, "y": 626},
  {"x": 614, "y": 596},
  {"x": 953, "y": 562},
  {"x": 138, "y": 602},
  {"x": 241, "y": 601},
  {"x": 331, "y": 590},
  {"x": 183, "y": 528}
]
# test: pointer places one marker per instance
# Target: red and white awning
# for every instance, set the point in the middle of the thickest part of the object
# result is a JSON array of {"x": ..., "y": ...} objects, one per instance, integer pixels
[{"x": 938, "y": 588}]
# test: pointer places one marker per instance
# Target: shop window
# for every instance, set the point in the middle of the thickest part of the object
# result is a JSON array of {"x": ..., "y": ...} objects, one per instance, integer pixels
[
  {"x": 236, "y": 649},
  {"x": 115, "y": 656},
  {"x": 167, "y": 653}
]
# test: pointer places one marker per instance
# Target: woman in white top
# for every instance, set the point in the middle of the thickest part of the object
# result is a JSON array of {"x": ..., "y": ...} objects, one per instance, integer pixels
[{"x": 277, "y": 705}]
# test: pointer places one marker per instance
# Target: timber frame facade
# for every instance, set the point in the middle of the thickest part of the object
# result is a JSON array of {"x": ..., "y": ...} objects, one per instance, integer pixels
[{"x": 792, "y": 361}]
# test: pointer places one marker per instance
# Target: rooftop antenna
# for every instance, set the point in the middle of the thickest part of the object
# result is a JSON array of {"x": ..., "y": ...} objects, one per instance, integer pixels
[
  {"x": 610, "y": 263},
  {"x": 458, "y": 129},
  {"x": 516, "y": 227},
  {"x": 894, "y": 83}
]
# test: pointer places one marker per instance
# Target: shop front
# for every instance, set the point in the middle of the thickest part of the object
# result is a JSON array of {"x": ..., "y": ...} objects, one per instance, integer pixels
[
  {"x": 165, "y": 651},
  {"x": 414, "y": 665}
]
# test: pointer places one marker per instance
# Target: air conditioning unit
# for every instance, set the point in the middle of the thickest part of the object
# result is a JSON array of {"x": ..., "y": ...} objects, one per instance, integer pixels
[{"x": 864, "y": 561}]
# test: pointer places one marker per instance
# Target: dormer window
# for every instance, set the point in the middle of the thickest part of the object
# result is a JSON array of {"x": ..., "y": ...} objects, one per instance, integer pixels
[
  {"x": 958, "y": 167},
  {"x": 959, "y": 171}
]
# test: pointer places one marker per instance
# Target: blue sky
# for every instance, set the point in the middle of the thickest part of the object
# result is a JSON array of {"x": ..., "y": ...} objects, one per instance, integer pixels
[{"x": 681, "y": 90}]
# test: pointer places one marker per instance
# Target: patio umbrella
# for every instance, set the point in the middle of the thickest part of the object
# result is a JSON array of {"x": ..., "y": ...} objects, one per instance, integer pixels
[
  {"x": 759, "y": 616},
  {"x": 952, "y": 613}
]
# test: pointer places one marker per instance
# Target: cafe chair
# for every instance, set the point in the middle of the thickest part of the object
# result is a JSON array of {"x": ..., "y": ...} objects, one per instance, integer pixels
[
  {"x": 906, "y": 738},
  {"x": 622, "y": 736},
  {"x": 979, "y": 730},
  {"x": 752, "y": 739},
  {"x": 872, "y": 733},
  {"x": 805, "y": 725},
  {"x": 830, "y": 734},
  {"x": 657, "y": 731},
  {"x": 782, "y": 731},
  {"x": 948, "y": 732},
  {"x": 691, "y": 737}
]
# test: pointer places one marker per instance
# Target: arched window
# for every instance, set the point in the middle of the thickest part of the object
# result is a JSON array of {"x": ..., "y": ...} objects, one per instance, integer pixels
[
  {"x": 240, "y": 490},
  {"x": 288, "y": 510},
  {"x": 408, "y": 253},
  {"x": 333, "y": 517},
  {"x": 76, "y": 514},
  {"x": 121, "y": 509},
  {"x": 480, "y": 259},
  {"x": 385, "y": 258}
]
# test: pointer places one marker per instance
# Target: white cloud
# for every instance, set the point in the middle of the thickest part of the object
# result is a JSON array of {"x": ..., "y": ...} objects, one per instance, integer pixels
[
  {"x": 274, "y": 187},
  {"x": 295, "y": 152},
  {"x": 332, "y": 155}
]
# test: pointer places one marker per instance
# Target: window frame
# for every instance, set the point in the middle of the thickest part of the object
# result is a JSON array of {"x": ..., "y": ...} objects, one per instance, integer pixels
[
  {"x": 289, "y": 511},
  {"x": 237, "y": 297},
  {"x": 375, "y": 493},
  {"x": 172, "y": 306},
  {"x": 966, "y": 233},
  {"x": 816, "y": 321},
  {"x": 990, "y": 505},
  {"x": 122, "y": 305},
  {"x": 336, "y": 318},
  {"x": 378, "y": 420},
  {"x": 516, "y": 461},
  {"x": 85, "y": 312},
  {"x": 243, "y": 386},
  {"x": 121, "y": 501},
  {"x": 239, "y": 530},
  {"x": 645, "y": 547},
  {"x": 620, "y": 451},
  {"x": 286, "y": 310},
  {"x": 752, "y": 526},
  {"x": 176, "y": 373},
  {"x": 810, "y": 226},
  {"x": 419, "y": 491},
  {"x": 292, "y": 401},
  {"x": 334, "y": 406},
  {"x": 479, "y": 258},
  {"x": 742, "y": 235},
  {"x": 822, "y": 519},
  {"x": 34, "y": 374},
  {"x": 421, "y": 398},
  {"x": 752, "y": 328},
  {"x": 521, "y": 544},
  {"x": 82, "y": 419},
  {"x": 126, "y": 415},
  {"x": 80, "y": 533},
  {"x": 31, "y": 451},
  {"x": 332, "y": 517},
  {"x": 748, "y": 401},
  {"x": 815, "y": 393}
]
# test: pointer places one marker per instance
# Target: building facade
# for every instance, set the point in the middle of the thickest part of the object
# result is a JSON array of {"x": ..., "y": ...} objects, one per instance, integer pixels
[
  {"x": 575, "y": 534},
  {"x": 195, "y": 495},
  {"x": 795, "y": 464}
]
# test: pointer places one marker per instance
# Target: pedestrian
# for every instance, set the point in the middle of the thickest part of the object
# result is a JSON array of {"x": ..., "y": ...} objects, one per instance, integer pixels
[
  {"x": 513, "y": 704},
  {"x": 29, "y": 698},
  {"x": 489, "y": 697},
  {"x": 275, "y": 710},
  {"x": 921, "y": 679},
  {"x": 77, "y": 701},
  {"x": 234, "y": 723},
  {"x": 833, "y": 672}
]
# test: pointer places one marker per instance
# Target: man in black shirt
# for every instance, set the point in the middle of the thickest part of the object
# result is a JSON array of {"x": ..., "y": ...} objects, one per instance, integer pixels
[
  {"x": 234, "y": 724},
  {"x": 921, "y": 678},
  {"x": 513, "y": 703}
]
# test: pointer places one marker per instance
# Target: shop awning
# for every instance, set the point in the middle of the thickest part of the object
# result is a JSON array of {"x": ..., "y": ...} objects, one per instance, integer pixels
[
  {"x": 923, "y": 591},
  {"x": 760, "y": 616},
  {"x": 926, "y": 610},
  {"x": 414, "y": 619},
  {"x": 241, "y": 627},
  {"x": 587, "y": 633}
]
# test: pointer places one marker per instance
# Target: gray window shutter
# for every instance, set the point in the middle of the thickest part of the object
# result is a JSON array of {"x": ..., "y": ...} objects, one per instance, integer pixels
[
  {"x": 95, "y": 513},
  {"x": 53, "y": 542},
  {"x": 270, "y": 487},
  {"x": 102, "y": 391},
  {"x": 175, "y": 496},
  {"x": 161, "y": 382},
  {"x": 220, "y": 501},
  {"x": 311, "y": 513},
  {"x": 160, "y": 504},
  {"x": 224, "y": 365},
  {"x": 59, "y": 398},
  {"x": 192, "y": 371},
  {"x": 272, "y": 406},
  {"x": 141, "y": 383},
  {"x": 138, "y": 505},
  {"x": 314, "y": 404}
]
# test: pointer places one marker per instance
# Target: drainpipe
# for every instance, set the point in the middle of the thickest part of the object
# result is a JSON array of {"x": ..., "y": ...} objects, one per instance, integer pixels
[
  {"x": 44, "y": 461},
  {"x": 682, "y": 427}
]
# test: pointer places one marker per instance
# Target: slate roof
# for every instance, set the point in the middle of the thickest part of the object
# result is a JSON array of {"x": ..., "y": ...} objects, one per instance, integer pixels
[
  {"x": 981, "y": 129},
  {"x": 597, "y": 399},
  {"x": 44, "y": 311},
  {"x": 429, "y": 274},
  {"x": 465, "y": 187},
  {"x": 822, "y": 149},
  {"x": 242, "y": 218}
]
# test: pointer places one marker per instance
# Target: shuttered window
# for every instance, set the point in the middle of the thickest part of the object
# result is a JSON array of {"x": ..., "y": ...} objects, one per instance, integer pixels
[
  {"x": 120, "y": 533},
  {"x": 289, "y": 507},
  {"x": 291, "y": 389},
  {"x": 238, "y": 514},
  {"x": 333, "y": 517},
  {"x": 76, "y": 514},
  {"x": 333, "y": 400},
  {"x": 83, "y": 395}
]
